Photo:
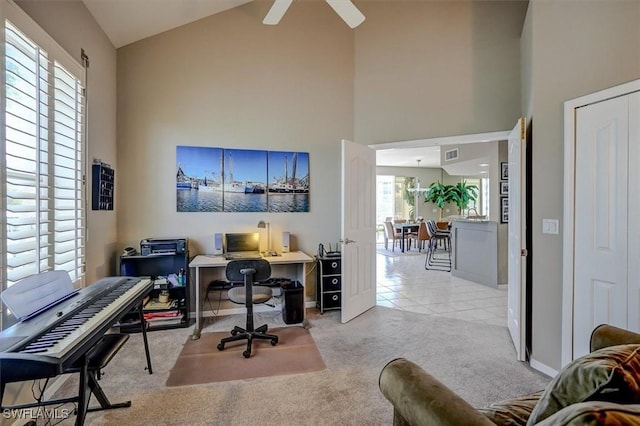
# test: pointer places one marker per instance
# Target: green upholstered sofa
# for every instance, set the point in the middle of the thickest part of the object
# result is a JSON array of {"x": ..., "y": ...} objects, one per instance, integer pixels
[{"x": 601, "y": 388}]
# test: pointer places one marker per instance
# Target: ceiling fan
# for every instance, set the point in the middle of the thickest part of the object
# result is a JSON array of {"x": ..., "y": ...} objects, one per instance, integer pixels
[{"x": 344, "y": 8}]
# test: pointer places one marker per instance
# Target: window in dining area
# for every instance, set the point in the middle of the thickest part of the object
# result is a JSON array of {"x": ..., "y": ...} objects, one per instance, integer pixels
[
  {"x": 389, "y": 198},
  {"x": 481, "y": 204}
]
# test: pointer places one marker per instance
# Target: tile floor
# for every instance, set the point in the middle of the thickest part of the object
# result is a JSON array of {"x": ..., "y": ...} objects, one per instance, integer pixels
[{"x": 403, "y": 283}]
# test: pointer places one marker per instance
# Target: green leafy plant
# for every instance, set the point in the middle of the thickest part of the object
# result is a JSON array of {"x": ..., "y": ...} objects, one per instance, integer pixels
[
  {"x": 439, "y": 194},
  {"x": 462, "y": 194},
  {"x": 408, "y": 195}
]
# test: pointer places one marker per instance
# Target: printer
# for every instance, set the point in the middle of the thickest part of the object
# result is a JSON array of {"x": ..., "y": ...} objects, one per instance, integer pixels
[{"x": 163, "y": 246}]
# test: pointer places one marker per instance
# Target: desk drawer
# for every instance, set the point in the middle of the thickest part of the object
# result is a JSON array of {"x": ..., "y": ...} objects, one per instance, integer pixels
[
  {"x": 331, "y": 300},
  {"x": 330, "y": 266},
  {"x": 331, "y": 283}
]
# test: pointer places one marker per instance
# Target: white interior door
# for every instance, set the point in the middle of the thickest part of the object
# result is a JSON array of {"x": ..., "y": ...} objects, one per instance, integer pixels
[
  {"x": 633, "y": 243},
  {"x": 516, "y": 266},
  {"x": 358, "y": 229},
  {"x": 601, "y": 213}
]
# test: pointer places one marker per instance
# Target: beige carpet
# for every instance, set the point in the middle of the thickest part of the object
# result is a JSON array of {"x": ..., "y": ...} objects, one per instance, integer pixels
[
  {"x": 475, "y": 360},
  {"x": 201, "y": 362}
]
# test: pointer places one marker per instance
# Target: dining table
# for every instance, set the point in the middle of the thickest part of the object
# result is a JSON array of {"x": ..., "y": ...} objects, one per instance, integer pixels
[{"x": 406, "y": 228}]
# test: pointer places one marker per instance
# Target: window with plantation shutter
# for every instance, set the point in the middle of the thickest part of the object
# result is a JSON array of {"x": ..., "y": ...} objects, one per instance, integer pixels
[{"x": 43, "y": 188}]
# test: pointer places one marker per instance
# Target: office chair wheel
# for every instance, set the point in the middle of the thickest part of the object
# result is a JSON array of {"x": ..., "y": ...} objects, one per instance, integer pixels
[
  {"x": 246, "y": 354},
  {"x": 220, "y": 346},
  {"x": 274, "y": 342},
  {"x": 234, "y": 332}
]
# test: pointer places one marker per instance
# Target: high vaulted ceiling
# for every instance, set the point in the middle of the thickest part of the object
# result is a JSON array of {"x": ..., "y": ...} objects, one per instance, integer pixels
[{"x": 128, "y": 21}]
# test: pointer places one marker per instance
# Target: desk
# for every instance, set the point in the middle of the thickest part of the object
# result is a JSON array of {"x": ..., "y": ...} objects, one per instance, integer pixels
[
  {"x": 288, "y": 265},
  {"x": 404, "y": 227}
]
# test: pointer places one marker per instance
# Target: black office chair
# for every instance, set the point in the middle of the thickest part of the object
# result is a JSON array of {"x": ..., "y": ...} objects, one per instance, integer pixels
[{"x": 249, "y": 271}]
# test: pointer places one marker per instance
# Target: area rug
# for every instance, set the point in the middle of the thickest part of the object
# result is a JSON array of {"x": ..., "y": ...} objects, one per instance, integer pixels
[{"x": 201, "y": 362}]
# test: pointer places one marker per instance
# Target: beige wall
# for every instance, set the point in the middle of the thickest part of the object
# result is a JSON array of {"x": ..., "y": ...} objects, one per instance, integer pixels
[
  {"x": 229, "y": 81},
  {"x": 574, "y": 48},
  {"x": 436, "y": 68},
  {"x": 412, "y": 70},
  {"x": 73, "y": 27}
]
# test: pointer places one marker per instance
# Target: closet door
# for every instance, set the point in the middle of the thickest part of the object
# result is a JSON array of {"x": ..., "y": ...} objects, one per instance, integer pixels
[
  {"x": 634, "y": 213},
  {"x": 601, "y": 214}
]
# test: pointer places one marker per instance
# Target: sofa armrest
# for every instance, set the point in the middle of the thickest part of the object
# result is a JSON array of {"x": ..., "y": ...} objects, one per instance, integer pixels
[
  {"x": 606, "y": 335},
  {"x": 420, "y": 399}
]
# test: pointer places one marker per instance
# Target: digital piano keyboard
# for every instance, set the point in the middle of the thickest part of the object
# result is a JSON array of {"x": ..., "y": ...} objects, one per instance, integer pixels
[{"x": 48, "y": 343}]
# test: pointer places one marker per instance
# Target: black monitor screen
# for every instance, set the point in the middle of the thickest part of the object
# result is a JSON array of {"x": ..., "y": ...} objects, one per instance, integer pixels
[{"x": 249, "y": 241}]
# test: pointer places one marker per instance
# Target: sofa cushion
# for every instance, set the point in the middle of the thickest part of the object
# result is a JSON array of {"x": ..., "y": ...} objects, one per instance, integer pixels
[
  {"x": 609, "y": 374},
  {"x": 595, "y": 413},
  {"x": 512, "y": 412}
]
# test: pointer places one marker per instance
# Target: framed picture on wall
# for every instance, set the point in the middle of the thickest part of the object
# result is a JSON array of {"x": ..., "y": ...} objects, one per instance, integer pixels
[
  {"x": 504, "y": 209},
  {"x": 504, "y": 188},
  {"x": 504, "y": 170}
]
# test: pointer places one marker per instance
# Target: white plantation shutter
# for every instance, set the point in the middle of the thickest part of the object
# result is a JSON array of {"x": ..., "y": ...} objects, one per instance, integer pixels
[{"x": 44, "y": 225}]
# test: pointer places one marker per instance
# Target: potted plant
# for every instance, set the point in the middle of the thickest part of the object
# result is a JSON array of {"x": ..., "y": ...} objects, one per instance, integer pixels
[
  {"x": 438, "y": 194},
  {"x": 409, "y": 196},
  {"x": 462, "y": 194}
]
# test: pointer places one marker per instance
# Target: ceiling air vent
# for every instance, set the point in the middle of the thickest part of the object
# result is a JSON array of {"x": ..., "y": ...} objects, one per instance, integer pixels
[{"x": 452, "y": 154}]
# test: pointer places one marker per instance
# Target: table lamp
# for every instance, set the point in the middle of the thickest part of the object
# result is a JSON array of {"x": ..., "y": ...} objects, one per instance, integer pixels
[{"x": 262, "y": 224}]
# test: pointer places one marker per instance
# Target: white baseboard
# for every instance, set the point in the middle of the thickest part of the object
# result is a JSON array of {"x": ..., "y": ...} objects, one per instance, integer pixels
[{"x": 543, "y": 368}]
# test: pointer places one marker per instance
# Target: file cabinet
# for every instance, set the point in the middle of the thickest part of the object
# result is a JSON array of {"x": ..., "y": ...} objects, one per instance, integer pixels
[{"x": 328, "y": 283}]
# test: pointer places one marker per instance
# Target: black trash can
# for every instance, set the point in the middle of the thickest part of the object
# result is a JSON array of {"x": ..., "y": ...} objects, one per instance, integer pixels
[{"x": 293, "y": 302}]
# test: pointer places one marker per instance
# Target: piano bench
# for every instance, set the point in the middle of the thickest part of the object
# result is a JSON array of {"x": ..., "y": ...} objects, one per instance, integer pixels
[{"x": 102, "y": 353}]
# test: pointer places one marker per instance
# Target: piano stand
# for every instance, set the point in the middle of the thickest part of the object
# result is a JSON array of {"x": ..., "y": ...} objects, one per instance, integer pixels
[
  {"x": 28, "y": 351},
  {"x": 89, "y": 366}
]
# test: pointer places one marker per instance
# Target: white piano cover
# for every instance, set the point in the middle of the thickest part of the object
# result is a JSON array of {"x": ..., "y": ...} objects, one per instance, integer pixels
[{"x": 36, "y": 292}]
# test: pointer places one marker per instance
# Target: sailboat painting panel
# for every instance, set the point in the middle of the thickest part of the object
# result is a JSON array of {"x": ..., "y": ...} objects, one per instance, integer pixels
[
  {"x": 199, "y": 179},
  {"x": 241, "y": 180},
  {"x": 288, "y": 186},
  {"x": 245, "y": 180}
]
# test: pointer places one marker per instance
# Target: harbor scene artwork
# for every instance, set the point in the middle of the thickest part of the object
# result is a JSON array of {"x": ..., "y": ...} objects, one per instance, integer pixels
[{"x": 241, "y": 180}]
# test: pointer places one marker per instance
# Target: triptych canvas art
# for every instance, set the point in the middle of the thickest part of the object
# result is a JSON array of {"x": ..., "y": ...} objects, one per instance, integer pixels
[{"x": 241, "y": 180}]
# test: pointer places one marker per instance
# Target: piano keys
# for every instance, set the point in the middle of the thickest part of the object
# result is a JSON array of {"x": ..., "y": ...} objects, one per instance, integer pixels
[{"x": 57, "y": 338}]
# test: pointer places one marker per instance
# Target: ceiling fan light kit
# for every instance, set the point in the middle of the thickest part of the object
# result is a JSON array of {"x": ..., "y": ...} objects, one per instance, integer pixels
[{"x": 344, "y": 8}]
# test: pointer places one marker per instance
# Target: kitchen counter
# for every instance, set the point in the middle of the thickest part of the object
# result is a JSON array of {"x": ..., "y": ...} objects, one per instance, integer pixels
[{"x": 474, "y": 251}]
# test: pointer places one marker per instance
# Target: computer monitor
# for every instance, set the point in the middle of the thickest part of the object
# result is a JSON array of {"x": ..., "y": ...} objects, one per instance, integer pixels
[{"x": 242, "y": 242}]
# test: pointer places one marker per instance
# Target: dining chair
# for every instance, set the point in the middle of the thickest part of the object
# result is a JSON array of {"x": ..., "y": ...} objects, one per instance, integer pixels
[
  {"x": 391, "y": 234},
  {"x": 433, "y": 261},
  {"x": 421, "y": 236}
]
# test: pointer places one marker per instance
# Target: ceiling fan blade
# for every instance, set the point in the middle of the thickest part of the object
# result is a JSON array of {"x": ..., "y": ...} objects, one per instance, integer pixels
[
  {"x": 276, "y": 12},
  {"x": 347, "y": 11}
]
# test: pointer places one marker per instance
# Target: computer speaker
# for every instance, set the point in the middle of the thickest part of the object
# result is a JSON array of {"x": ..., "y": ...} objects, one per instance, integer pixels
[
  {"x": 217, "y": 244},
  {"x": 286, "y": 238}
]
